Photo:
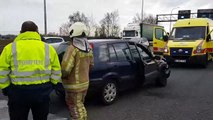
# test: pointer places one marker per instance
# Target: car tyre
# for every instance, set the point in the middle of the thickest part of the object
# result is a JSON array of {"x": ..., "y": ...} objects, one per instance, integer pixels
[
  {"x": 164, "y": 73},
  {"x": 109, "y": 92}
]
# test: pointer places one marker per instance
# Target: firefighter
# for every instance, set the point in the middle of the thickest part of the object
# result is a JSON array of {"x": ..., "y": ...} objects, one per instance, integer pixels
[
  {"x": 28, "y": 72},
  {"x": 76, "y": 63}
]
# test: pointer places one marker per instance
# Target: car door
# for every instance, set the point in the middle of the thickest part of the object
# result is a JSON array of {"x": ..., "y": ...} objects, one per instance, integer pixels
[
  {"x": 139, "y": 63},
  {"x": 150, "y": 65},
  {"x": 124, "y": 65}
]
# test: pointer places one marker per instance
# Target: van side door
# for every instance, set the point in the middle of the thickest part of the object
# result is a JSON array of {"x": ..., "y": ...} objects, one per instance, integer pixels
[
  {"x": 159, "y": 41},
  {"x": 209, "y": 39}
]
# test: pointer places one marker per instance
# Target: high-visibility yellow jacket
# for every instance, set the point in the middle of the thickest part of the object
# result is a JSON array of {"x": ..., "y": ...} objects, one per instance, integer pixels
[
  {"x": 29, "y": 61},
  {"x": 75, "y": 69}
]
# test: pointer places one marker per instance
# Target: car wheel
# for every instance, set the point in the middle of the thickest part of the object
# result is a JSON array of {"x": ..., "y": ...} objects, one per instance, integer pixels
[
  {"x": 161, "y": 81},
  {"x": 109, "y": 92},
  {"x": 164, "y": 73}
]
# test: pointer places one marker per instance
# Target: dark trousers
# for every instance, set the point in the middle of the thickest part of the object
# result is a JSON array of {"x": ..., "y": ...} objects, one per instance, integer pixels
[{"x": 22, "y": 99}]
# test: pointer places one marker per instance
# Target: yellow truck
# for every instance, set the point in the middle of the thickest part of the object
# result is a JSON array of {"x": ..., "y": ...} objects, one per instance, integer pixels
[{"x": 190, "y": 41}]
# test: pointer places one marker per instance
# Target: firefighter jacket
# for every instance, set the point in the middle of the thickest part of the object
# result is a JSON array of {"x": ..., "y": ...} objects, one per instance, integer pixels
[
  {"x": 75, "y": 69},
  {"x": 29, "y": 61}
]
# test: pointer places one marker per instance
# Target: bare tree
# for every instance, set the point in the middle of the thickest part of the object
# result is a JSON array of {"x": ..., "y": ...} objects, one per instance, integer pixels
[
  {"x": 64, "y": 29},
  {"x": 75, "y": 17},
  {"x": 147, "y": 19},
  {"x": 78, "y": 17},
  {"x": 150, "y": 19},
  {"x": 115, "y": 23},
  {"x": 136, "y": 18},
  {"x": 109, "y": 25}
]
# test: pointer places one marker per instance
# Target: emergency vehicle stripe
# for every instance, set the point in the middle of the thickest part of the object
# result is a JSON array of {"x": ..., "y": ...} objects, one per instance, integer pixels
[
  {"x": 3, "y": 80},
  {"x": 76, "y": 86},
  {"x": 15, "y": 56},
  {"x": 4, "y": 72},
  {"x": 31, "y": 79},
  {"x": 210, "y": 50},
  {"x": 47, "y": 56}
]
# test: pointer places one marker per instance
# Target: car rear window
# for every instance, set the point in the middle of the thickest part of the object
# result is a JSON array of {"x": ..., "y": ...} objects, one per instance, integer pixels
[{"x": 103, "y": 53}]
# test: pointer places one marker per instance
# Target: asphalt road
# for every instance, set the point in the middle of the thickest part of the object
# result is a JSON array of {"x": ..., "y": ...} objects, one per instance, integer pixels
[{"x": 188, "y": 96}]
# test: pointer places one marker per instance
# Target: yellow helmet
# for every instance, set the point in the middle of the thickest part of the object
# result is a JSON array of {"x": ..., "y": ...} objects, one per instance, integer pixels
[{"x": 78, "y": 29}]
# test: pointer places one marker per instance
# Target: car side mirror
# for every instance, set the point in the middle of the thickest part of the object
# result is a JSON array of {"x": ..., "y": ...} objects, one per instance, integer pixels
[
  {"x": 165, "y": 38},
  {"x": 208, "y": 38}
]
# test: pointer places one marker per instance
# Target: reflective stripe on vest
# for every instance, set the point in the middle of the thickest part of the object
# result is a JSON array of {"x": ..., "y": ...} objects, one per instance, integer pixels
[
  {"x": 76, "y": 86},
  {"x": 29, "y": 74},
  {"x": 31, "y": 79},
  {"x": 3, "y": 80},
  {"x": 55, "y": 77},
  {"x": 6, "y": 72}
]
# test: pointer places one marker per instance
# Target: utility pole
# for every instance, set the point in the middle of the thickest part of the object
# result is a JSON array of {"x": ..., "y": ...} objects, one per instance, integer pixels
[
  {"x": 170, "y": 25},
  {"x": 141, "y": 24},
  {"x": 45, "y": 18},
  {"x": 142, "y": 11}
]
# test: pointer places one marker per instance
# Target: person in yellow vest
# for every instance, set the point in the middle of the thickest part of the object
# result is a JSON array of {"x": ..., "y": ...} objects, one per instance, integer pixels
[
  {"x": 29, "y": 70},
  {"x": 76, "y": 63}
]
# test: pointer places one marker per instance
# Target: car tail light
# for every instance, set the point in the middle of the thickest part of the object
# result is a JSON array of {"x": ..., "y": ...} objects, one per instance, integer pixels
[{"x": 91, "y": 45}]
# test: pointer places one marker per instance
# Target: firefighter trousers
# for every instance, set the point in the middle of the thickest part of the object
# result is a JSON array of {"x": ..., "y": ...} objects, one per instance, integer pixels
[{"x": 75, "y": 103}]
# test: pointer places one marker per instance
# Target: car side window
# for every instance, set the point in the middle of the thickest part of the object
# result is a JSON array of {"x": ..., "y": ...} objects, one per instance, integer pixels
[
  {"x": 134, "y": 52},
  {"x": 112, "y": 54},
  {"x": 122, "y": 51},
  {"x": 103, "y": 53},
  {"x": 145, "y": 57}
]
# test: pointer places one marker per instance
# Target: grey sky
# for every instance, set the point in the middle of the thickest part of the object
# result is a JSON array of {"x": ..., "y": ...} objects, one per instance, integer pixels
[{"x": 15, "y": 12}]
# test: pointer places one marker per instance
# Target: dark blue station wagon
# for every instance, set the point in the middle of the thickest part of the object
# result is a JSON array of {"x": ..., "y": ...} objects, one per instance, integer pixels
[{"x": 120, "y": 65}]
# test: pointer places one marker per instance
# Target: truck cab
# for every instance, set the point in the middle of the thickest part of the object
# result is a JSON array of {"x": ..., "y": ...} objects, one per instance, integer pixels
[
  {"x": 132, "y": 30},
  {"x": 190, "y": 41}
]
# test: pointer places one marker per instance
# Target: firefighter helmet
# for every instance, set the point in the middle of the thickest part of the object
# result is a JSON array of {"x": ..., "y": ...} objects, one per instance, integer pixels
[{"x": 78, "y": 29}]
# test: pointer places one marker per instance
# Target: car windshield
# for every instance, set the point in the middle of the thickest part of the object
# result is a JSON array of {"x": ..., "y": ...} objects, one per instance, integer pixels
[
  {"x": 129, "y": 33},
  {"x": 187, "y": 33}
]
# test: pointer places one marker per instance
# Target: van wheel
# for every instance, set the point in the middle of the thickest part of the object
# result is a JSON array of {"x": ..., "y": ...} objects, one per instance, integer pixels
[
  {"x": 109, "y": 92},
  {"x": 205, "y": 61}
]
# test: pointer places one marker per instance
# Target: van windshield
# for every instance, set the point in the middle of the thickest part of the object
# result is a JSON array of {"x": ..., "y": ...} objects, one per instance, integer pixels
[
  {"x": 188, "y": 33},
  {"x": 129, "y": 33}
]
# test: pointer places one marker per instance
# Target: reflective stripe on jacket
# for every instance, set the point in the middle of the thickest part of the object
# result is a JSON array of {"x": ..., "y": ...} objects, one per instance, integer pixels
[
  {"x": 75, "y": 69},
  {"x": 29, "y": 61}
]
